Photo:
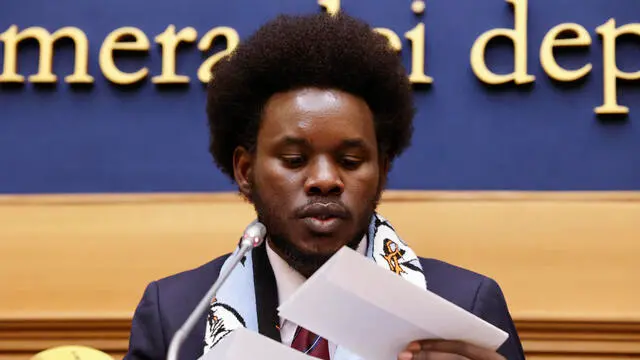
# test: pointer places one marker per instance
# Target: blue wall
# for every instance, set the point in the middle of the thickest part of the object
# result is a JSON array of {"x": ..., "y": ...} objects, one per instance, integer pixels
[{"x": 109, "y": 138}]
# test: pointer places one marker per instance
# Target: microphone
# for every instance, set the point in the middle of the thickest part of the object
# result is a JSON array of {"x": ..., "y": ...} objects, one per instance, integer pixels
[{"x": 253, "y": 236}]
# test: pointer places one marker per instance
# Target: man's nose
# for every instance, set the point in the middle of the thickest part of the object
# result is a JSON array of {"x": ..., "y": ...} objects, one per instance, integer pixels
[{"x": 324, "y": 178}]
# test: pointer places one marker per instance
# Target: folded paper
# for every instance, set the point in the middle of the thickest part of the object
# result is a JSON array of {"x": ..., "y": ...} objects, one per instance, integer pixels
[{"x": 375, "y": 314}]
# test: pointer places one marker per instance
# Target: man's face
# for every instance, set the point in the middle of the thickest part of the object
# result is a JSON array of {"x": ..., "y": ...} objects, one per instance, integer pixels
[{"x": 316, "y": 176}]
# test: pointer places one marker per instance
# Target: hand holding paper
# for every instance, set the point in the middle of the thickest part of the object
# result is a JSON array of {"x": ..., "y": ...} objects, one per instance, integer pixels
[
  {"x": 447, "y": 349},
  {"x": 375, "y": 314}
]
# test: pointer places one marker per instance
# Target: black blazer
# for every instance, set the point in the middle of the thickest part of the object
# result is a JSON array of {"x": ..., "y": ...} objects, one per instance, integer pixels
[{"x": 166, "y": 304}]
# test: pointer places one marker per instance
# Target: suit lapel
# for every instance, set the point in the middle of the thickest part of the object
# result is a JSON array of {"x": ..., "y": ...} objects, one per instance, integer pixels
[
  {"x": 193, "y": 347},
  {"x": 266, "y": 291}
]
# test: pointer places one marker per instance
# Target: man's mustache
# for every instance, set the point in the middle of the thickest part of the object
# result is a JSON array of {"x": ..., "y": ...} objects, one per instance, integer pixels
[{"x": 323, "y": 207}]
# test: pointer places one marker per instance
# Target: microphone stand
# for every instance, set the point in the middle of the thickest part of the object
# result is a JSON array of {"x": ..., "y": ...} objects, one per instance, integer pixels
[{"x": 253, "y": 238}]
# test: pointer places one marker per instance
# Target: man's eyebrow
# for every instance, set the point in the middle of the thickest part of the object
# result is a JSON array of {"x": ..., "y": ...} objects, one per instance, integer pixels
[
  {"x": 345, "y": 144},
  {"x": 290, "y": 140},
  {"x": 352, "y": 143}
]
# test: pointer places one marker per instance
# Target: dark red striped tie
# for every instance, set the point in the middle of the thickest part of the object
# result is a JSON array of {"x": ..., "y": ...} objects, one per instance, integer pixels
[{"x": 310, "y": 344}]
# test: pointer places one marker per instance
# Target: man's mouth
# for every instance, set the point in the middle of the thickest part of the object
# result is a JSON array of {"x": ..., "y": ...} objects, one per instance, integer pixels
[
  {"x": 322, "y": 225},
  {"x": 323, "y": 218},
  {"x": 324, "y": 210}
]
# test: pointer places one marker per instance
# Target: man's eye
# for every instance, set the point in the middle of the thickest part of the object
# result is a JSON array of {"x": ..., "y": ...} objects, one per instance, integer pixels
[
  {"x": 293, "y": 160},
  {"x": 350, "y": 162}
]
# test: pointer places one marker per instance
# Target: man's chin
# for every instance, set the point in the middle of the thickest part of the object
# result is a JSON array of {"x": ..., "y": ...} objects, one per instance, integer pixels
[
  {"x": 307, "y": 258},
  {"x": 309, "y": 264},
  {"x": 320, "y": 250},
  {"x": 305, "y": 261}
]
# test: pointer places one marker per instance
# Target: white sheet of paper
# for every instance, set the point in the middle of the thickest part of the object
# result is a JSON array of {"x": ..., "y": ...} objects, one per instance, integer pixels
[
  {"x": 244, "y": 344},
  {"x": 374, "y": 313}
]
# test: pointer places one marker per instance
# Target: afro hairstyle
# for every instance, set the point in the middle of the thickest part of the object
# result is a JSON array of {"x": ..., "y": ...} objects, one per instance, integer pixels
[{"x": 296, "y": 51}]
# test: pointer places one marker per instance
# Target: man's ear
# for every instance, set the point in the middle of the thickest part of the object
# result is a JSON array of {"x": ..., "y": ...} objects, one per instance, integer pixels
[{"x": 242, "y": 170}]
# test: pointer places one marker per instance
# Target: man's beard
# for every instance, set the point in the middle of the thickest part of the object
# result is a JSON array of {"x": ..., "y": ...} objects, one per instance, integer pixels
[{"x": 306, "y": 264}]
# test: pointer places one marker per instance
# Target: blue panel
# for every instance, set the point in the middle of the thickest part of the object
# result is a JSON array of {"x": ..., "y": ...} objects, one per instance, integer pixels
[{"x": 108, "y": 138}]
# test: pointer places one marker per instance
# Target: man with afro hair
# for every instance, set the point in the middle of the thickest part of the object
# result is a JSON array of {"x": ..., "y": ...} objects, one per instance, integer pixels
[{"x": 306, "y": 116}]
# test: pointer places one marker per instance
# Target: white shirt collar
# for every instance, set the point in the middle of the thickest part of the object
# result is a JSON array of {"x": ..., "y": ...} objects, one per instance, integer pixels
[{"x": 287, "y": 279}]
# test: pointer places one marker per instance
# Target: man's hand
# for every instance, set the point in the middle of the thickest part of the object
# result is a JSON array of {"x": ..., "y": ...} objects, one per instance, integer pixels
[{"x": 446, "y": 350}]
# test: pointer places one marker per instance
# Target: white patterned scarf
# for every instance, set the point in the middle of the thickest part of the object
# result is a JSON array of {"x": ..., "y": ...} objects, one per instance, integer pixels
[{"x": 235, "y": 302}]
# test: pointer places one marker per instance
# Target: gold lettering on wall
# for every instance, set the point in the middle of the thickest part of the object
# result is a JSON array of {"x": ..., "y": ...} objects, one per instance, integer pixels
[
  {"x": 518, "y": 35},
  {"x": 331, "y": 6},
  {"x": 417, "y": 38},
  {"x": 580, "y": 37},
  {"x": 169, "y": 42},
  {"x": 609, "y": 34},
  {"x": 232, "y": 38},
  {"x": 132, "y": 39},
  {"x": 112, "y": 42},
  {"x": 12, "y": 38}
]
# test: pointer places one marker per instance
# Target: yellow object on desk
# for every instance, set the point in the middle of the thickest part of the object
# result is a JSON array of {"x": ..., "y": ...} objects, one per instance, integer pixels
[{"x": 72, "y": 352}]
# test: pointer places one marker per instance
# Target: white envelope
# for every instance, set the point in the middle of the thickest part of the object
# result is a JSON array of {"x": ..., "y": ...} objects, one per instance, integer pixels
[
  {"x": 244, "y": 344},
  {"x": 374, "y": 313}
]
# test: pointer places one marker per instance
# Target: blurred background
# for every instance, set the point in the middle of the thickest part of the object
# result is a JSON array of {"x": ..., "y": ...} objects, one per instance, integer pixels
[{"x": 525, "y": 163}]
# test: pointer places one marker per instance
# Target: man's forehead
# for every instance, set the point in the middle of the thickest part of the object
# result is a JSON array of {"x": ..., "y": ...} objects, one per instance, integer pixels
[{"x": 316, "y": 100}]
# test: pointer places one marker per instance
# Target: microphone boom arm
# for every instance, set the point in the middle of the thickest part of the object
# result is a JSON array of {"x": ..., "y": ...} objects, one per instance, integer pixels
[{"x": 252, "y": 238}]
